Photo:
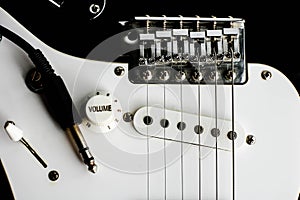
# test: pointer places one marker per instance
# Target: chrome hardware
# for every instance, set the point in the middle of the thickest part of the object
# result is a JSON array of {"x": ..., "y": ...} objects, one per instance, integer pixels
[
  {"x": 119, "y": 71},
  {"x": 186, "y": 44},
  {"x": 250, "y": 139},
  {"x": 266, "y": 75}
]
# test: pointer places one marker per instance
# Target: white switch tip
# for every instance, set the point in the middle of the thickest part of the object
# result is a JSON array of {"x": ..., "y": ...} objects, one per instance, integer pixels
[{"x": 14, "y": 132}]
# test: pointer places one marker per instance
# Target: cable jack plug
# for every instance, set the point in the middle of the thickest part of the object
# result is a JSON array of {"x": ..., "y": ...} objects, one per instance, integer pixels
[{"x": 80, "y": 145}]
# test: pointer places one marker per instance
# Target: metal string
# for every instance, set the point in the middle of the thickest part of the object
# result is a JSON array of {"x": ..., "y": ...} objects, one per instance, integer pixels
[
  {"x": 181, "y": 139},
  {"x": 199, "y": 134},
  {"x": 233, "y": 119},
  {"x": 147, "y": 127},
  {"x": 216, "y": 124},
  {"x": 165, "y": 153},
  {"x": 165, "y": 126},
  {"x": 181, "y": 132},
  {"x": 148, "y": 146}
]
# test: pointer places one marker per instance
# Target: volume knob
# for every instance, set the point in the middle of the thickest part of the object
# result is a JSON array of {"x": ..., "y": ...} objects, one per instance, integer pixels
[{"x": 103, "y": 112}]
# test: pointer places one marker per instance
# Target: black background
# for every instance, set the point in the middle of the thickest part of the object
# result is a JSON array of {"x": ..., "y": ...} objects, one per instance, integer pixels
[{"x": 271, "y": 28}]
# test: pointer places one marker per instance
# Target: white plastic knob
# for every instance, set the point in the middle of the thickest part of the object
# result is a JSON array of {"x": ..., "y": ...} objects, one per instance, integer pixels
[
  {"x": 99, "y": 110},
  {"x": 103, "y": 112}
]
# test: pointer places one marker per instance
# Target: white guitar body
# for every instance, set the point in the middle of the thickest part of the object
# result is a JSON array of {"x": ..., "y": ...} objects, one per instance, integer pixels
[{"x": 132, "y": 166}]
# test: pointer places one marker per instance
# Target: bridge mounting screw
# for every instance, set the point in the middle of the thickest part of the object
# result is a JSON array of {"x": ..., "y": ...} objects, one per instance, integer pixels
[
  {"x": 250, "y": 139},
  {"x": 266, "y": 75},
  {"x": 147, "y": 75}
]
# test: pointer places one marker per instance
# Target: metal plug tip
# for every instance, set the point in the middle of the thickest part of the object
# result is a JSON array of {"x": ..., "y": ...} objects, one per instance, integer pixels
[{"x": 93, "y": 168}]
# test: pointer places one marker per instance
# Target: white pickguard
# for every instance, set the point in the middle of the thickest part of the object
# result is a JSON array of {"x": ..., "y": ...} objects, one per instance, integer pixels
[{"x": 267, "y": 109}]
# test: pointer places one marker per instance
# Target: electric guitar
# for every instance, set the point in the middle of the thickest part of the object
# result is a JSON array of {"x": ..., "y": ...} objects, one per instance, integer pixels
[{"x": 173, "y": 111}]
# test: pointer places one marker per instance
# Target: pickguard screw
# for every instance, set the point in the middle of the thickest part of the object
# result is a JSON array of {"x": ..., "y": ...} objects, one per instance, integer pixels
[
  {"x": 128, "y": 117},
  {"x": 250, "y": 140},
  {"x": 266, "y": 75},
  {"x": 53, "y": 175},
  {"x": 119, "y": 71}
]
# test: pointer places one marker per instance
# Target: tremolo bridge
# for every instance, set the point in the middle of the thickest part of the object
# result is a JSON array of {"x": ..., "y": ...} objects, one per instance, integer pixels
[{"x": 188, "y": 50}]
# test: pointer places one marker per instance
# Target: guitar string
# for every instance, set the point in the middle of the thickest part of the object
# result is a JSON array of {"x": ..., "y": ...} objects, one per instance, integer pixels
[
  {"x": 165, "y": 153},
  {"x": 181, "y": 131},
  {"x": 216, "y": 124},
  {"x": 199, "y": 133},
  {"x": 198, "y": 49},
  {"x": 148, "y": 147},
  {"x": 148, "y": 118},
  {"x": 233, "y": 127},
  {"x": 147, "y": 128},
  {"x": 165, "y": 120}
]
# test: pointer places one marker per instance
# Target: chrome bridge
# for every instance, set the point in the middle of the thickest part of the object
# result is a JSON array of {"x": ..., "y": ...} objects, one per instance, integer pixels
[{"x": 188, "y": 50}]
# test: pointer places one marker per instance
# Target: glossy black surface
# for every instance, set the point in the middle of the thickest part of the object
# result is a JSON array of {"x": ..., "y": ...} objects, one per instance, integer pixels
[
  {"x": 5, "y": 187},
  {"x": 271, "y": 28}
]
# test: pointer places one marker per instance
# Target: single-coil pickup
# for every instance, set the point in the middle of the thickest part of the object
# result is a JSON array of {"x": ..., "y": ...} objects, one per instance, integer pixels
[{"x": 185, "y": 127}]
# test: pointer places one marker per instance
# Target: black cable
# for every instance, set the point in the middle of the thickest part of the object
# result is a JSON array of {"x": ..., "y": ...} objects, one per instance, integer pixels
[
  {"x": 16, "y": 39},
  {"x": 36, "y": 56},
  {"x": 55, "y": 93},
  {"x": 56, "y": 97}
]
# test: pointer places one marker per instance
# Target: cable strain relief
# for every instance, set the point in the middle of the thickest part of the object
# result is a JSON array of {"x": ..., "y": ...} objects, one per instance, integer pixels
[{"x": 40, "y": 61}]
